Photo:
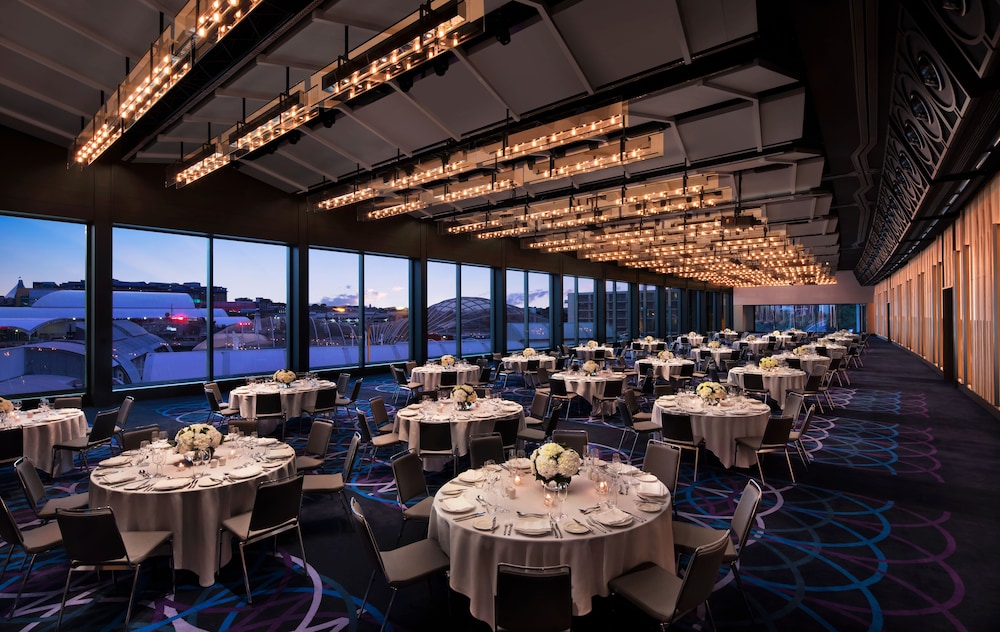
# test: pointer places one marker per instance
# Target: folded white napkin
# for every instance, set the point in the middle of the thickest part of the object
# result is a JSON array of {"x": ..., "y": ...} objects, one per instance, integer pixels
[
  {"x": 534, "y": 525},
  {"x": 613, "y": 517},
  {"x": 115, "y": 461},
  {"x": 471, "y": 476},
  {"x": 456, "y": 504},
  {"x": 171, "y": 483},
  {"x": 652, "y": 489},
  {"x": 266, "y": 441},
  {"x": 119, "y": 477},
  {"x": 246, "y": 472}
]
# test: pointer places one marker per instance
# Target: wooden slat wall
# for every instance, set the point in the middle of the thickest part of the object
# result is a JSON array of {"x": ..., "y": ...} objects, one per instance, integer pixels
[{"x": 965, "y": 257}]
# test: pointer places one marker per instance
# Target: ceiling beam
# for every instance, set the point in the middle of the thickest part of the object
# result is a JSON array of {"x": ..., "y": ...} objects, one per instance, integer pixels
[
  {"x": 285, "y": 152},
  {"x": 253, "y": 166},
  {"x": 44, "y": 98},
  {"x": 36, "y": 123},
  {"x": 335, "y": 16},
  {"x": 329, "y": 144},
  {"x": 561, "y": 44},
  {"x": 430, "y": 115},
  {"x": 288, "y": 62},
  {"x": 84, "y": 30},
  {"x": 243, "y": 93},
  {"x": 52, "y": 64},
  {"x": 483, "y": 81},
  {"x": 349, "y": 113},
  {"x": 675, "y": 14},
  {"x": 161, "y": 7}
]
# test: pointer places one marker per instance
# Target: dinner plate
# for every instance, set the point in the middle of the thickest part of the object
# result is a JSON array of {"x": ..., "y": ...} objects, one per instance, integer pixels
[
  {"x": 245, "y": 472},
  {"x": 646, "y": 478},
  {"x": 574, "y": 527},
  {"x": 483, "y": 524},
  {"x": 613, "y": 517},
  {"x": 652, "y": 490},
  {"x": 118, "y": 477},
  {"x": 280, "y": 454},
  {"x": 649, "y": 507},
  {"x": 471, "y": 476},
  {"x": 482, "y": 414},
  {"x": 139, "y": 484},
  {"x": 457, "y": 504},
  {"x": 408, "y": 413},
  {"x": 116, "y": 461},
  {"x": 209, "y": 481},
  {"x": 166, "y": 484},
  {"x": 266, "y": 441},
  {"x": 522, "y": 463},
  {"x": 533, "y": 526},
  {"x": 451, "y": 491}
]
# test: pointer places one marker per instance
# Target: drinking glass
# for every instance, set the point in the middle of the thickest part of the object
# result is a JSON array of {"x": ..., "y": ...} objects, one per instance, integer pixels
[
  {"x": 561, "y": 494},
  {"x": 162, "y": 435},
  {"x": 159, "y": 456}
]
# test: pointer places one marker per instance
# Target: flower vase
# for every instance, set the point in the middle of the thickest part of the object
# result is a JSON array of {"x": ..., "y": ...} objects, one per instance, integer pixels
[
  {"x": 463, "y": 405},
  {"x": 554, "y": 486}
]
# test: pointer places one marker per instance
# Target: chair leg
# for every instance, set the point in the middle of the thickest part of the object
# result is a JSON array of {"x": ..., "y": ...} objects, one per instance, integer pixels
[
  {"x": 388, "y": 609},
  {"x": 760, "y": 468},
  {"x": 788, "y": 460},
  {"x": 62, "y": 606},
  {"x": 246, "y": 577},
  {"x": 697, "y": 451},
  {"x": 302, "y": 546},
  {"x": 10, "y": 551},
  {"x": 20, "y": 590},
  {"x": 131, "y": 597},
  {"x": 364, "y": 600},
  {"x": 801, "y": 449},
  {"x": 743, "y": 591}
]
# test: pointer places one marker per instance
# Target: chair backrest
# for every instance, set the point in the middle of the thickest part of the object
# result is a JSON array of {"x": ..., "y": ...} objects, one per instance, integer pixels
[
  {"x": 124, "y": 410},
  {"x": 487, "y": 447},
  {"x": 507, "y": 429},
  {"x": 552, "y": 420},
  {"x": 68, "y": 402},
  {"x": 804, "y": 428},
  {"x": 91, "y": 536},
  {"x": 557, "y": 387},
  {"x": 398, "y": 374},
  {"x": 132, "y": 440},
  {"x": 213, "y": 402},
  {"x": 9, "y": 530},
  {"x": 449, "y": 378},
  {"x": 408, "y": 473},
  {"x": 746, "y": 510},
  {"x": 533, "y": 599},
  {"x": 814, "y": 382},
  {"x": 379, "y": 415},
  {"x": 351, "y": 456},
  {"x": 676, "y": 427},
  {"x": 613, "y": 388},
  {"x": 104, "y": 426},
  {"x": 428, "y": 396},
  {"x": 371, "y": 544},
  {"x": 268, "y": 405},
  {"x": 326, "y": 400},
  {"x": 213, "y": 387},
  {"x": 575, "y": 439},
  {"x": 793, "y": 406},
  {"x": 700, "y": 575},
  {"x": 664, "y": 462},
  {"x": 542, "y": 376},
  {"x": 821, "y": 350},
  {"x": 794, "y": 363},
  {"x": 631, "y": 400},
  {"x": 624, "y": 413},
  {"x": 663, "y": 389},
  {"x": 318, "y": 442},
  {"x": 408, "y": 368},
  {"x": 343, "y": 382},
  {"x": 687, "y": 370},
  {"x": 648, "y": 381},
  {"x": 356, "y": 389},
  {"x": 277, "y": 503},
  {"x": 483, "y": 391},
  {"x": 532, "y": 364},
  {"x": 435, "y": 437},
  {"x": 776, "y": 432},
  {"x": 485, "y": 373},
  {"x": 364, "y": 428},
  {"x": 753, "y": 381},
  {"x": 11, "y": 444},
  {"x": 540, "y": 404},
  {"x": 31, "y": 483}
]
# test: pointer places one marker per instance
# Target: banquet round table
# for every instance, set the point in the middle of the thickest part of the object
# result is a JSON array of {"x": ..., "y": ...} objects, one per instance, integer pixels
[
  {"x": 649, "y": 346},
  {"x": 589, "y": 387},
  {"x": 42, "y": 430},
  {"x": 429, "y": 376},
  {"x": 662, "y": 368},
  {"x": 300, "y": 395},
  {"x": 694, "y": 340},
  {"x": 464, "y": 423},
  {"x": 594, "y": 555},
  {"x": 718, "y": 354},
  {"x": 587, "y": 353},
  {"x": 777, "y": 381},
  {"x": 756, "y": 346},
  {"x": 811, "y": 363},
  {"x": 833, "y": 350},
  {"x": 719, "y": 425},
  {"x": 193, "y": 514},
  {"x": 519, "y": 362}
]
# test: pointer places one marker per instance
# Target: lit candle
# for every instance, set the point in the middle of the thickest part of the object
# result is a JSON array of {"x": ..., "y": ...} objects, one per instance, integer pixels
[
  {"x": 602, "y": 487},
  {"x": 547, "y": 499},
  {"x": 517, "y": 480},
  {"x": 180, "y": 466}
]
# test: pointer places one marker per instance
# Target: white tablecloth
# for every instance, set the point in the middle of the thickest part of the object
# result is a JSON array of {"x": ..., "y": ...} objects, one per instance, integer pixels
[
  {"x": 479, "y": 420},
  {"x": 595, "y": 558},
  {"x": 756, "y": 346},
  {"x": 777, "y": 382},
  {"x": 587, "y": 353},
  {"x": 718, "y": 355},
  {"x": 300, "y": 395},
  {"x": 719, "y": 425},
  {"x": 662, "y": 368},
  {"x": 832, "y": 350},
  {"x": 811, "y": 363},
  {"x": 43, "y": 430},
  {"x": 694, "y": 341},
  {"x": 193, "y": 515},
  {"x": 430, "y": 376},
  {"x": 520, "y": 363}
]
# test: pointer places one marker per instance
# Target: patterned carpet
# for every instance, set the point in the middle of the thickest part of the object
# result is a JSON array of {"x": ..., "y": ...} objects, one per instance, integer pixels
[{"x": 883, "y": 532}]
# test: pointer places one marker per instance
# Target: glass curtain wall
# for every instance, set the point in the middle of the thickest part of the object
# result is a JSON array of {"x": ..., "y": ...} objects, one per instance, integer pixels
[
  {"x": 578, "y": 310},
  {"x": 385, "y": 314},
  {"x": 527, "y": 310},
  {"x": 812, "y": 318},
  {"x": 538, "y": 311},
  {"x": 249, "y": 295},
  {"x": 442, "y": 309},
  {"x": 334, "y": 308},
  {"x": 616, "y": 311},
  {"x": 475, "y": 310},
  {"x": 43, "y": 283},
  {"x": 673, "y": 309},
  {"x": 647, "y": 310}
]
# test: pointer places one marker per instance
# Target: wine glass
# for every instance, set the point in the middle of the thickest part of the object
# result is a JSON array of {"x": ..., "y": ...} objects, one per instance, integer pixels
[
  {"x": 561, "y": 493},
  {"x": 159, "y": 456}
]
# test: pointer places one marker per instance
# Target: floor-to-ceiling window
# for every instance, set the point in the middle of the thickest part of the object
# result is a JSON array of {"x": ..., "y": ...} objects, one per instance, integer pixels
[
  {"x": 334, "y": 308},
  {"x": 386, "y": 309},
  {"x": 249, "y": 297},
  {"x": 539, "y": 310},
  {"x": 814, "y": 318},
  {"x": 458, "y": 309},
  {"x": 673, "y": 311},
  {"x": 527, "y": 310},
  {"x": 442, "y": 308},
  {"x": 43, "y": 281},
  {"x": 475, "y": 310},
  {"x": 616, "y": 310},
  {"x": 647, "y": 310},
  {"x": 160, "y": 305}
]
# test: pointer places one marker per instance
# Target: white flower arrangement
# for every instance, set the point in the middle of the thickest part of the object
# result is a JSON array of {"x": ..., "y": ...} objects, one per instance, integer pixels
[
  {"x": 197, "y": 438},
  {"x": 448, "y": 360},
  {"x": 711, "y": 391},
  {"x": 589, "y": 367},
  {"x": 801, "y": 351},
  {"x": 463, "y": 394},
  {"x": 715, "y": 344},
  {"x": 284, "y": 376},
  {"x": 768, "y": 363},
  {"x": 751, "y": 337},
  {"x": 6, "y": 406},
  {"x": 529, "y": 352},
  {"x": 665, "y": 355},
  {"x": 692, "y": 333},
  {"x": 727, "y": 330},
  {"x": 775, "y": 333},
  {"x": 592, "y": 344},
  {"x": 553, "y": 462},
  {"x": 649, "y": 339}
]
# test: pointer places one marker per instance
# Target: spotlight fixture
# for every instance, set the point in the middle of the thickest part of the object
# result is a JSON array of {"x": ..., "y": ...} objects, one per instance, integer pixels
[
  {"x": 328, "y": 118},
  {"x": 440, "y": 65},
  {"x": 405, "y": 82}
]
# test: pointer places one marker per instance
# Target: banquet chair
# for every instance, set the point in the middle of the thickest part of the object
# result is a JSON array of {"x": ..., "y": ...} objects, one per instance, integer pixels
[
  {"x": 269, "y": 406},
  {"x": 575, "y": 439},
  {"x": 814, "y": 388},
  {"x": 485, "y": 447},
  {"x": 11, "y": 445},
  {"x": 485, "y": 375},
  {"x": 449, "y": 380},
  {"x": 794, "y": 363},
  {"x": 428, "y": 396},
  {"x": 317, "y": 446},
  {"x": 539, "y": 406},
  {"x": 100, "y": 434},
  {"x": 343, "y": 383},
  {"x": 67, "y": 402},
  {"x": 408, "y": 474},
  {"x": 483, "y": 392},
  {"x": 533, "y": 599},
  {"x": 403, "y": 382},
  {"x": 501, "y": 372},
  {"x": 821, "y": 350},
  {"x": 775, "y": 439},
  {"x": 325, "y": 405},
  {"x": 648, "y": 382},
  {"x": 684, "y": 377},
  {"x": 401, "y": 566},
  {"x": 132, "y": 440},
  {"x": 334, "y": 483},
  {"x": 637, "y": 428},
  {"x": 541, "y": 435},
  {"x": 435, "y": 440},
  {"x": 94, "y": 542},
  {"x": 688, "y": 536},
  {"x": 559, "y": 394},
  {"x": 838, "y": 369},
  {"x": 508, "y": 428},
  {"x": 612, "y": 391},
  {"x": 638, "y": 414},
  {"x": 795, "y": 436},
  {"x": 661, "y": 390},
  {"x": 530, "y": 374},
  {"x": 853, "y": 357},
  {"x": 753, "y": 384},
  {"x": 540, "y": 380},
  {"x": 216, "y": 407},
  {"x": 663, "y": 461},
  {"x": 245, "y": 426},
  {"x": 677, "y": 431},
  {"x": 375, "y": 443},
  {"x": 34, "y": 541},
  {"x": 275, "y": 510},
  {"x": 793, "y": 406},
  {"x": 376, "y": 405},
  {"x": 123, "y": 412},
  {"x": 666, "y": 597}
]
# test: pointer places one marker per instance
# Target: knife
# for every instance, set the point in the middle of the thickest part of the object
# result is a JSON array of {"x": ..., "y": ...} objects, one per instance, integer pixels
[{"x": 469, "y": 517}]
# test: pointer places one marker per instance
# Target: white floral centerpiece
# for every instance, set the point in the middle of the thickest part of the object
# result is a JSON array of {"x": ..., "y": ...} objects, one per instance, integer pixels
[
  {"x": 553, "y": 463},
  {"x": 776, "y": 333},
  {"x": 464, "y": 396},
  {"x": 711, "y": 392},
  {"x": 6, "y": 407},
  {"x": 692, "y": 333},
  {"x": 727, "y": 330},
  {"x": 529, "y": 352},
  {"x": 284, "y": 376},
  {"x": 715, "y": 344},
  {"x": 768, "y": 364},
  {"x": 801, "y": 351},
  {"x": 197, "y": 438},
  {"x": 665, "y": 355},
  {"x": 448, "y": 360},
  {"x": 589, "y": 367},
  {"x": 751, "y": 337},
  {"x": 649, "y": 339},
  {"x": 592, "y": 344}
]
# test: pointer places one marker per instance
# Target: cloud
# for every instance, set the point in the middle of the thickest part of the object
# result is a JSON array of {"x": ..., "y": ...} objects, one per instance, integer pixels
[{"x": 339, "y": 299}]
